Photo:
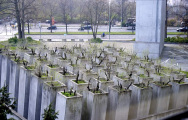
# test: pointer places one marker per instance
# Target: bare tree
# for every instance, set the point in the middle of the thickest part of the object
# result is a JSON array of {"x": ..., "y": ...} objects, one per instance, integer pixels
[
  {"x": 66, "y": 10},
  {"x": 95, "y": 9},
  {"x": 51, "y": 9}
]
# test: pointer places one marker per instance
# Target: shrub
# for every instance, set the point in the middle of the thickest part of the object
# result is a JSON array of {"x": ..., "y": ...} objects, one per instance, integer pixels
[
  {"x": 13, "y": 40},
  {"x": 171, "y": 22},
  {"x": 176, "y": 40},
  {"x": 29, "y": 39},
  {"x": 97, "y": 40}
]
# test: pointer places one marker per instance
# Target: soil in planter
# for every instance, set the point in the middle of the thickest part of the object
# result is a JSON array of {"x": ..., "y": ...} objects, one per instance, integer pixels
[
  {"x": 142, "y": 76},
  {"x": 53, "y": 66},
  {"x": 185, "y": 72},
  {"x": 79, "y": 81},
  {"x": 161, "y": 84},
  {"x": 141, "y": 86},
  {"x": 62, "y": 58},
  {"x": 177, "y": 81},
  {"x": 54, "y": 84},
  {"x": 123, "y": 77},
  {"x": 66, "y": 74},
  {"x": 160, "y": 74},
  {"x": 42, "y": 60},
  {"x": 30, "y": 67},
  {"x": 67, "y": 94}
]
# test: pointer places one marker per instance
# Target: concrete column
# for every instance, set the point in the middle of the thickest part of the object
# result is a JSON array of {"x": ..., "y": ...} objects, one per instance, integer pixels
[
  {"x": 140, "y": 102},
  {"x": 118, "y": 104},
  {"x": 49, "y": 92},
  {"x": 0, "y": 67},
  {"x": 35, "y": 97},
  {"x": 14, "y": 80},
  {"x": 23, "y": 92},
  {"x": 150, "y": 27},
  {"x": 69, "y": 108},
  {"x": 5, "y": 71},
  {"x": 160, "y": 99}
]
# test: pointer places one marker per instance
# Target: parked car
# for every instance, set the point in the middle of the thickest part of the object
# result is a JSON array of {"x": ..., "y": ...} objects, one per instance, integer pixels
[
  {"x": 52, "y": 28},
  {"x": 87, "y": 27},
  {"x": 81, "y": 29},
  {"x": 184, "y": 29}
]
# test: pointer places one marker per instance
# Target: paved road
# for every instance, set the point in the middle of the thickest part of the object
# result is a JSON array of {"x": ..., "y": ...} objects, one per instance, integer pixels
[
  {"x": 8, "y": 32},
  {"x": 113, "y": 37}
]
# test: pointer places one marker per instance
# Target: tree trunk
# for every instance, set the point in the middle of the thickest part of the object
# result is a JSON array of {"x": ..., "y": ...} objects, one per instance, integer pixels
[
  {"x": 166, "y": 20},
  {"x": 66, "y": 28},
  {"x": 28, "y": 27},
  {"x": 18, "y": 19},
  {"x": 23, "y": 20},
  {"x": 51, "y": 23}
]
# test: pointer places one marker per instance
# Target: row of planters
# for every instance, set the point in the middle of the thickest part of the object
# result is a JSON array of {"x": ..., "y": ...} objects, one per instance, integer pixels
[{"x": 80, "y": 83}]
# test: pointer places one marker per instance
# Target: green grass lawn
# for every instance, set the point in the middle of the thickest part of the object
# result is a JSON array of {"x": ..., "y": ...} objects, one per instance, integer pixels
[{"x": 99, "y": 33}]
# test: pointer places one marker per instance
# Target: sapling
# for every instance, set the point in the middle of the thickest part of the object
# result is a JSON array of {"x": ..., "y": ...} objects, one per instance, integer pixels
[
  {"x": 129, "y": 86},
  {"x": 120, "y": 86},
  {"x": 71, "y": 91},
  {"x": 47, "y": 72},
  {"x": 181, "y": 80},
  {"x": 168, "y": 82},
  {"x": 148, "y": 73},
  {"x": 25, "y": 63},
  {"x": 88, "y": 87},
  {"x": 77, "y": 58},
  {"x": 102, "y": 60},
  {"x": 33, "y": 51},
  {"x": 97, "y": 89},
  {"x": 130, "y": 75},
  {"x": 55, "y": 49},
  {"x": 121, "y": 50},
  {"x": 64, "y": 70},
  {"x": 148, "y": 84},
  {"x": 115, "y": 60},
  {"x": 77, "y": 76},
  {"x": 75, "y": 93}
]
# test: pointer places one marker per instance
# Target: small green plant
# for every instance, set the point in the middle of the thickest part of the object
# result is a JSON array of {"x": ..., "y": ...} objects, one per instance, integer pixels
[
  {"x": 70, "y": 93},
  {"x": 49, "y": 113},
  {"x": 33, "y": 51},
  {"x": 5, "y": 103},
  {"x": 97, "y": 40}
]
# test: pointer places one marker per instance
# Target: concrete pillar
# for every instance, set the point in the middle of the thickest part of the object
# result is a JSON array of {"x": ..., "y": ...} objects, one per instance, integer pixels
[
  {"x": 5, "y": 71},
  {"x": 94, "y": 105},
  {"x": 160, "y": 99},
  {"x": 150, "y": 27},
  {"x": 14, "y": 80},
  {"x": 49, "y": 92},
  {"x": 35, "y": 96},
  {"x": 179, "y": 95},
  {"x": 23, "y": 92},
  {"x": 0, "y": 67},
  {"x": 140, "y": 102},
  {"x": 118, "y": 104},
  {"x": 69, "y": 108}
]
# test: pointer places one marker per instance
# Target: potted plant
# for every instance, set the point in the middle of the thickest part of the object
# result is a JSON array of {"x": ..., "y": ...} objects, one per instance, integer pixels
[
  {"x": 95, "y": 104},
  {"x": 140, "y": 101},
  {"x": 69, "y": 105},
  {"x": 161, "y": 96},
  {"x": 119, "y": 99},
  {"x": 64, "y": 76},
  {"x": 49, "y": 92},
  {"x": 78, "y": 84}
]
